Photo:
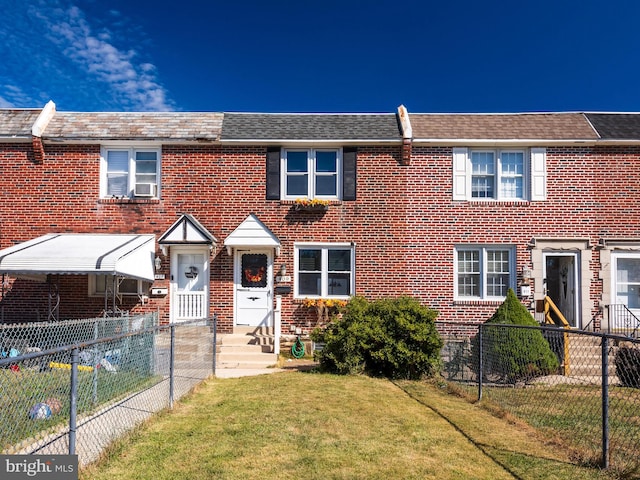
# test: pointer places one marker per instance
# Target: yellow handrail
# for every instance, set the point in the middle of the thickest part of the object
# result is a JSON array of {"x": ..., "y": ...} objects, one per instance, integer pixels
[{"x": 550, "y": 306}]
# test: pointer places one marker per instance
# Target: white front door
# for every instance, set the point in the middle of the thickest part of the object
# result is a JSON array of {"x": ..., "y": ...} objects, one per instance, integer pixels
[
  {"x": 189, "y": 284},
  {"x": 253, "y": 288},
  {"x": 560, "y": 273}
]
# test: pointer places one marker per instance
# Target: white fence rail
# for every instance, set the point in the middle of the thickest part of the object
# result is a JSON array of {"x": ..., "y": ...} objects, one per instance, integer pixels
[{"x": 190, "y": 305}]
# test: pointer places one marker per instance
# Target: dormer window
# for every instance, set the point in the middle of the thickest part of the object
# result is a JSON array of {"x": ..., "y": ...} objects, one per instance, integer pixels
[{"x": 130, "y": 172}]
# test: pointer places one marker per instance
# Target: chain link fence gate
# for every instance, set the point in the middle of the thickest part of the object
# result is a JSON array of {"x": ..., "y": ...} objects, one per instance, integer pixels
[
  {"x": 590, "y": 398},
  {"x": 72, "y": 387}
]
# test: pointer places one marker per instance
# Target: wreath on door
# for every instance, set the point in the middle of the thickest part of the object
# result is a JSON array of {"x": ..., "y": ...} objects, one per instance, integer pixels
[
  {"x": 254, "y": 270},
  {"x": 254, "y": 275},
  {"x": 191, "y": 272}
]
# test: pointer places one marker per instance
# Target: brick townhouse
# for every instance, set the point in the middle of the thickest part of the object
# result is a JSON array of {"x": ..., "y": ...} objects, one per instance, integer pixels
[{"x": 241, "y": 214}]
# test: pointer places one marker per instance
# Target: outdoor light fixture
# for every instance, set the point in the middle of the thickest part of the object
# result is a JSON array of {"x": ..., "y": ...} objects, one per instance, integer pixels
[
  {"x": 158, "y": 263},
  {"x": 283, "y": 270}
]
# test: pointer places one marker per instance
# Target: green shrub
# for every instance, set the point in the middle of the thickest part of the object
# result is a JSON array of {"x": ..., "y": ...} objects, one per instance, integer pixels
[
  {"x": 515, "y": 354},
  {"x": 628, "y": 366},
  {"x": 394, "y": 338}
]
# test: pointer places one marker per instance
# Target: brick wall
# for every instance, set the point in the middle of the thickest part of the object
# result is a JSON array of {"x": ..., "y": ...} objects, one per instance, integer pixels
[
  {"x": 403, "y": 223},
  {"x": 220, "y": 187},
  {"x": 591, "y": 193}
]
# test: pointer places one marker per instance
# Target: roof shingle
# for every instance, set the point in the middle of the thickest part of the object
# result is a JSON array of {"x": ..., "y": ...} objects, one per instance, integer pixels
[
  {"x": 262, "y": 126},
  {"x": 534, "y": 126},
  {"x": 135, "y": 126},
  {"x": 17, "y": 123},
  {"x": 618, "y": 126}
]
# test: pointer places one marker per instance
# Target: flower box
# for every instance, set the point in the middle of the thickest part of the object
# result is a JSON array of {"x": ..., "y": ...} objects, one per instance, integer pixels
[
  {"x": 306, "y": 205},
  {"x": 310, "y": 208}
]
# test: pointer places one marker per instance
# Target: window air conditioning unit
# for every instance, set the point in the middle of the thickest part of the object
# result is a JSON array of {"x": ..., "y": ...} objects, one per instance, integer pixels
[{"x": 145, "y": 190}]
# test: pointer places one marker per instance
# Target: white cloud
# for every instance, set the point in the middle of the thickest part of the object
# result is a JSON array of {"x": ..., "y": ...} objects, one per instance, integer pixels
[
  {"x": 5, "y": 103},
  {"x": 73, "y": 63}
]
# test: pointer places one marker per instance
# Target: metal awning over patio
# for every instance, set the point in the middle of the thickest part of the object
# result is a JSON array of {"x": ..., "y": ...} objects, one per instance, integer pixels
[{"x": 129, "y": 256}]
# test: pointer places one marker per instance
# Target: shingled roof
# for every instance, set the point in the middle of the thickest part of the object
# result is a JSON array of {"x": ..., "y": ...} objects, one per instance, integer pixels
[
  {"x": 328, "y": 126},
  {"x": 532, "y": 126},
  {"x": 161, "y": 126},
  {"x": 618, "y": 126},
  {"x": 17, "y": 123}
]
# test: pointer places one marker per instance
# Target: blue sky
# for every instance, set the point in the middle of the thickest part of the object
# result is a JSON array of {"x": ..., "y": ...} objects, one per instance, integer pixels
[{"x": 321, "y": 56}]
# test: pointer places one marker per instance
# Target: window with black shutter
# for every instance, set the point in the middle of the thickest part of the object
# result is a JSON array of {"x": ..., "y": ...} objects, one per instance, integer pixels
[{"x": 311, "y": 173}]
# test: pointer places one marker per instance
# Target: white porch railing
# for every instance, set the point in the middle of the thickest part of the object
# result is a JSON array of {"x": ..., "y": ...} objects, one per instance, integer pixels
[{"x": 190, "y": 305}]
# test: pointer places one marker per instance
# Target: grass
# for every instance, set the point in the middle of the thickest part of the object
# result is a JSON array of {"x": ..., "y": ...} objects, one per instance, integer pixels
[
  {"x": 22, "y": 390},
  {"x": 574, "y": 413},
  {"x": 316, "y": 426}
]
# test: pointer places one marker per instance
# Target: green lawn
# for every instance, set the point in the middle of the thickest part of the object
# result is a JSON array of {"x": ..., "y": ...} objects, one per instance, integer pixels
[
  {"x": 22, "y": 390},
  {"x": 574, "y": 413},
  {"x": 316, "y": 426}
]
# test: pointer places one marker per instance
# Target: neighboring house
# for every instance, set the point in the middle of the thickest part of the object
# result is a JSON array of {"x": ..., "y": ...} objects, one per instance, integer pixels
[{"x": 197, "y": 214}]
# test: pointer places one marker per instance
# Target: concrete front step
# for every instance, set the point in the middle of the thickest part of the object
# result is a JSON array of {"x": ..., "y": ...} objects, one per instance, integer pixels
[
  {"x": 234, "y": 339},
  {"x": 245, "y": 363},
  {"x": 246, "y": 330},
  {"x": 246, "y": 348}
]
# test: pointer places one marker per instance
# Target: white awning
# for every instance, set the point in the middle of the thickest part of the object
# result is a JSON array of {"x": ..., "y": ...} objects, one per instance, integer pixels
[
  {"x": 128, "y": 256},
  {"x": 252, "y": 233}
]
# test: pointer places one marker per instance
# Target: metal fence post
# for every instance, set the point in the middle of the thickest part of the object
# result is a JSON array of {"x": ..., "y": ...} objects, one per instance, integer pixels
[
  {"x": 73, "y": 407},
  {"x": 172, "y": 352},
  {"x": 480, "y": 365},
  {"x": 605, "y": 402}
]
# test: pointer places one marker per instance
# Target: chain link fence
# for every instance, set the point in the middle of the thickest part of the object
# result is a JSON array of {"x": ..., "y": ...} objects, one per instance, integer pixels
[
  {"x": 582, "y": 388},
  {"x": 72, "y": 387}
]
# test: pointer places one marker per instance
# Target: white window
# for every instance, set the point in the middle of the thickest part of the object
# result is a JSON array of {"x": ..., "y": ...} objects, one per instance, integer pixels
[
  {"x": 483, "y": 272},
  {"x": 324, "y": 270},
  {"x": 626, "y": 270},
  {"x": 130, "y": 172},
  {"x": 499, "y": 174},
  {"x": 124, "y": 286},
  {"x": 311, "y": 173}
]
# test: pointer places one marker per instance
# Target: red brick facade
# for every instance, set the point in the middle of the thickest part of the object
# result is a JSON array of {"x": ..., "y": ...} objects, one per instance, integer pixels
[
  {"x": 404, "y": 223},
  {"x": 218, "y": 185}
]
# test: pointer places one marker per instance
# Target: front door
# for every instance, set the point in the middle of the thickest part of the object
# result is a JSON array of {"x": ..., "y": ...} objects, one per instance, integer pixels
[
  {"x": 561, "y": 284},
  {"x": 253, "y": 285},
  {"x": 189, "y": 284}
]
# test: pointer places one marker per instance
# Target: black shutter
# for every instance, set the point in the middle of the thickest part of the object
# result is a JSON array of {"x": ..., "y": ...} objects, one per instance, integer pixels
[
  {"x": 349, "y": 155},
  {"x": 273, "y": 173}
]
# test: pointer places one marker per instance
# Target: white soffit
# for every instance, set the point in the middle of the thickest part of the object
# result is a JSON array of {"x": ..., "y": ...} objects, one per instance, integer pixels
[
  {"x": 251, "y": 233},
  {"x": 128, "y": 256}
]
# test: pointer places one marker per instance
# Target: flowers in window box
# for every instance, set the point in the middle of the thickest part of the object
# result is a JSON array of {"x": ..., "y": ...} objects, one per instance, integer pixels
[
  {"x": 311, "y": 204},
  {"x": 325, "y": 307}
]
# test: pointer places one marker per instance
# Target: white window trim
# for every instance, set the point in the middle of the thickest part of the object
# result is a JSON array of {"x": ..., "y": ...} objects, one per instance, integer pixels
[
  {"x": 615, "y": 256},
  {"x": 131, "y": 149},
  {"x": 312, "y": 173},
  {"x": 324, "y": 271},
  {"x": 93, "y": 291},
  {"x": 534, "y": 177},
  {"x": 483, "y": 270}
]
